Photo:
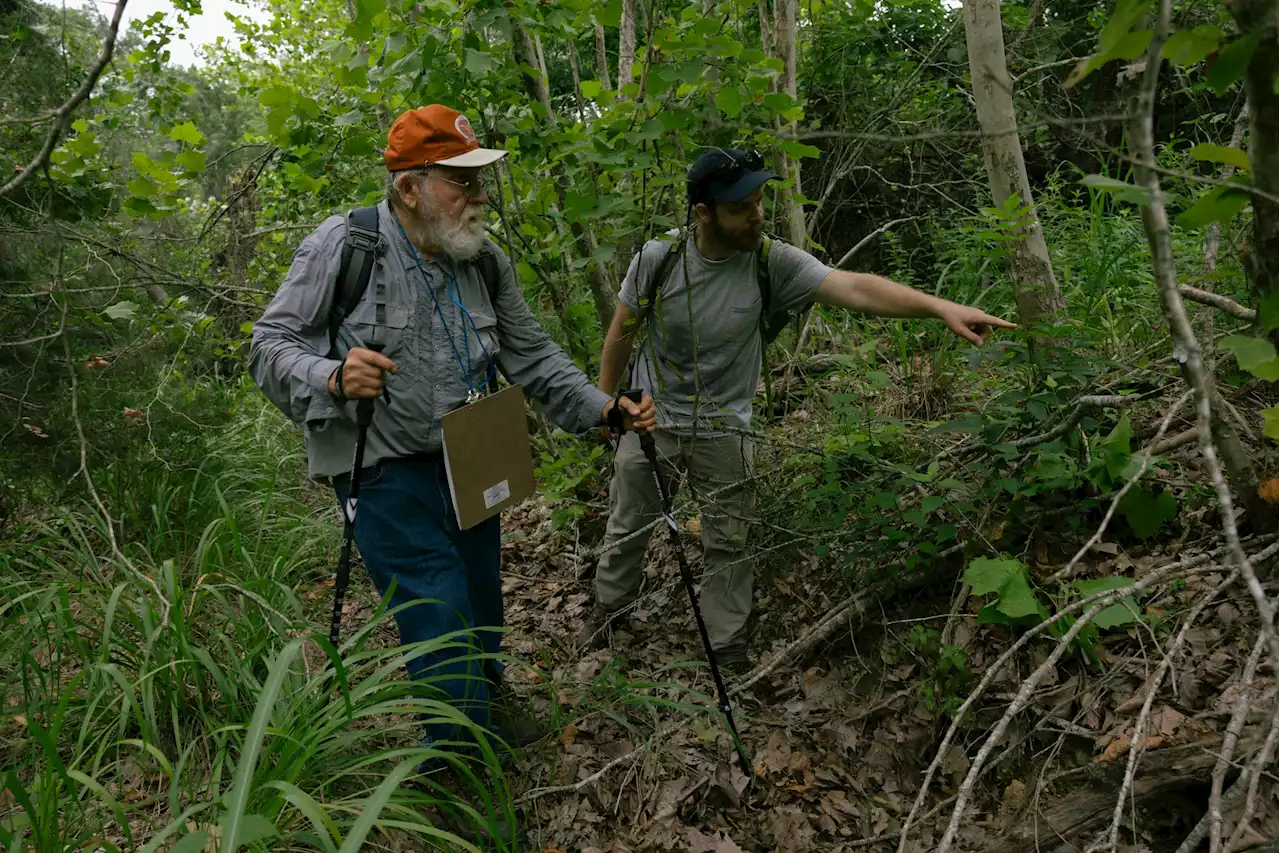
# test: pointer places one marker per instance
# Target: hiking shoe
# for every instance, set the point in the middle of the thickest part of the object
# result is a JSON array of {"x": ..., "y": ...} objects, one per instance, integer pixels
[
  {"x": 734, "y": 661},
  {"x": 594, "y": 634},
  {"x": 515, "y": 725}
]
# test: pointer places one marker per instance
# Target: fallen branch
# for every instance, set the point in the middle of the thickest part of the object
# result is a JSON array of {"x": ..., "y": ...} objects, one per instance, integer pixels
[
  {"x": 1253, "y": 773},
  {"x": 1083, "y": 404},
  {"x": 1137, "y": 740},
  {"x": 1173, "y": 442},
  {"x": 62, "y": 115},
  {"x": 1096, "y": 603},
  {"x": 1213, "y": 300},
  {"x": 1056, "y": 828},
  {"x": 1229, "y": 741}
]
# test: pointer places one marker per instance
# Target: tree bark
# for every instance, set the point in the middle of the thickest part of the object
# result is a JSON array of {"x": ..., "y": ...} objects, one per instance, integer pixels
[
  {"x": 602, "y": 59},
  {"x": 784, "y": 41},
  {"x": 1262, "y": 261},
  {"x": 627, "y": 43},
  {"x": 1035, "y": 286}
]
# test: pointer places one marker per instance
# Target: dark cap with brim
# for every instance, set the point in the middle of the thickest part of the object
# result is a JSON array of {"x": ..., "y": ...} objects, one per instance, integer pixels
[{"x": 705, "y": 181}]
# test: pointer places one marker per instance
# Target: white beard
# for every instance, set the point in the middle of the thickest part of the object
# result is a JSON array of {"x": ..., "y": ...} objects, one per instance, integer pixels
[{"x": 460, "y": 239}]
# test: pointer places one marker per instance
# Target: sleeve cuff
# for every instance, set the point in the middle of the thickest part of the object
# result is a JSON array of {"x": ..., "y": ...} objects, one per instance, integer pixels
[
  {"x": 598, "y": 400},
  {"x": 319, "y": 373}
]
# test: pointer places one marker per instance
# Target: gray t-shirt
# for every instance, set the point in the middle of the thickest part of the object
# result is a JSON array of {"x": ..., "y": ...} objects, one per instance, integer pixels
[{"x": 701, "y": 357}]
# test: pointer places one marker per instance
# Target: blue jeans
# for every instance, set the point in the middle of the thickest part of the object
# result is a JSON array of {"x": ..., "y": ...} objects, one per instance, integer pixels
[{"x": 406, "y": 529}]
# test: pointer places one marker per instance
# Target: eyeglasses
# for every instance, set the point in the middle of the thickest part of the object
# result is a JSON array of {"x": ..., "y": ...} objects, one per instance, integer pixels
[{"x": 473, "y": 188}]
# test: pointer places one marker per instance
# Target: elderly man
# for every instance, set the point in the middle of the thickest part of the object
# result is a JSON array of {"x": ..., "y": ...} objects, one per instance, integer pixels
[
  {"x": 443, "y": 328},
  {"x": 710, "y": 290}
]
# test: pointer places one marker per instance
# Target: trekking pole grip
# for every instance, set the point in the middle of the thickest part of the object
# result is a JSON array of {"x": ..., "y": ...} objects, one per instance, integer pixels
[{"x": 364, "y": 408}]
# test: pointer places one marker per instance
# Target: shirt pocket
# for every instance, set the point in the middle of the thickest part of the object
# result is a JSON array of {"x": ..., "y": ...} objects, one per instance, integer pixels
[{"x": 483, "y": 330}]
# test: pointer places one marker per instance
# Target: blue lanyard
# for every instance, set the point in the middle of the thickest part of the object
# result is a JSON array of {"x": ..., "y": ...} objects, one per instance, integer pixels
[{"x": 472, "y": 394}]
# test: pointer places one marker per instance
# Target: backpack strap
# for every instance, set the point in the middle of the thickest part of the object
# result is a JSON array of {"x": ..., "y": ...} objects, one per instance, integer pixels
[
  {"x": 355, "y": 268},
  {"x": 763, "y": 280},
  {"x": 647, "y": 299},
  {"x": 491, "y": 275}
]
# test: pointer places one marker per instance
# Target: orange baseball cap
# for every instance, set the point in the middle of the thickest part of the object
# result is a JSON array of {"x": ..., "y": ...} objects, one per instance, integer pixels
[{"x": 435, "y": 136}]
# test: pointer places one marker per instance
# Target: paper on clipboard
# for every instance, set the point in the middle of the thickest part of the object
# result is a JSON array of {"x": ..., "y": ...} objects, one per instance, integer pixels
[{"x": 486, "y": 456}]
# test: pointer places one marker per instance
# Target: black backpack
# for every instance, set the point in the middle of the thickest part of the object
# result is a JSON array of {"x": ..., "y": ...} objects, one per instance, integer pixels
[{"x": 356, "y": 268}]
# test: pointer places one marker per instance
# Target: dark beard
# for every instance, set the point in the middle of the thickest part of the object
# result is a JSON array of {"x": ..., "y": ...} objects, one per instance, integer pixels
[{"x": 742, "y": 241}]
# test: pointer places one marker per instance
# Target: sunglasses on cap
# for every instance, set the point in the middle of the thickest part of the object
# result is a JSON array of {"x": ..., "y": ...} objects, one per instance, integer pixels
[{"x": 735, "y": 167}]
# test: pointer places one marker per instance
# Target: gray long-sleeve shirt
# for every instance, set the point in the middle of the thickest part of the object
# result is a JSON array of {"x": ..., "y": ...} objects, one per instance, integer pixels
[{"x": 290, "y": 358}]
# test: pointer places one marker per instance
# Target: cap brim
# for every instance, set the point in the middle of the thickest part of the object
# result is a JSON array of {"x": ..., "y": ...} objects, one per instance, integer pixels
[
  {"x": 744, "y": 186},
  {"x": 473, "y": 159}
]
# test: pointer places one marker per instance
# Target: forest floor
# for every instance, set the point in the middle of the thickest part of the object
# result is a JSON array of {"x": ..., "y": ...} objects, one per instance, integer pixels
[{"x": 841, "y": 731}]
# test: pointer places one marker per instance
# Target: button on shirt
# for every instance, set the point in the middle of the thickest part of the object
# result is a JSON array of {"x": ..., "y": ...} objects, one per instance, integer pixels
[{"x": 291, "y": 357}]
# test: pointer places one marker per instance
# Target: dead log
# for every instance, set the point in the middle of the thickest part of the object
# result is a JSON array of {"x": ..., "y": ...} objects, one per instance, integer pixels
[{"x": 1087, "y": 796}]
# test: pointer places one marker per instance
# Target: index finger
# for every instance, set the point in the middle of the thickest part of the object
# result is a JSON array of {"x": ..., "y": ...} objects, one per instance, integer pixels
[
  {"x": 376, "y": 359},
  {"x": 996, "y": 321}
]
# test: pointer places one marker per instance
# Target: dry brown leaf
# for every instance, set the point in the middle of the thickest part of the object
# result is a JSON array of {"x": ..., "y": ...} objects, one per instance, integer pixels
[
  {"x": 1270, "y": 491},
  {"x": 569, "y": 735},
  {"x": 776, "y": 755},
  {"x": 693, "y": 525},
  {"x": 132, "y": 414},
  {"x": 96, "y": 361},
  {"x": 36, "y": 430},
  {"x": 1120, "y": 746},
  {"x": 1167, "y": 720}
]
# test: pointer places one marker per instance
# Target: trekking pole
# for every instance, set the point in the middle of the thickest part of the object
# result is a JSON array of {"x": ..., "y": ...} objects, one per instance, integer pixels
[
  {"x": 722, "y": 695},
  {"x": 364, "y": 417}
]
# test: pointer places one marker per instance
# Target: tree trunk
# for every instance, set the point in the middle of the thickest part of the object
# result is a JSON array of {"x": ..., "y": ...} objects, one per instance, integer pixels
[
  {"x": 602, "y": 59},
  {"x": 1035, "y": 287},
  {"x": 1262, "y": 262},
  {"x": 784, "y": 40},
  {"x": 627, "y": 43},
  {"x": 602, "y": 290}
]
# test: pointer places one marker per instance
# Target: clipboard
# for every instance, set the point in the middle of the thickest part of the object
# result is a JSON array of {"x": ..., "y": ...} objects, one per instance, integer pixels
[{"x": 486, "y": 456}]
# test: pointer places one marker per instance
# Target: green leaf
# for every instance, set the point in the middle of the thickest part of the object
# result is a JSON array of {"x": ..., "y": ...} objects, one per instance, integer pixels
[
  {"x": 186, "y": 132},
  {"x": 611, "y": 14},
  {"x": 234, "y": 818},
  {"x": 778, "y": 101},
  {"x": 1147, "y": 512},
  {"x": 370, "y": 808},
  {"x": 986, "y": 576},
  {"x": 1231, "y": 62},
  {"x": 192, "y": 161},
  {"x": 1016, "y": 598},
  {"x": 125, "y": 310},
  {"x": 930, "y": 503},
  {"x": 799, "y": 149},
  {"x": 1221, "y": 154},
  {"x": 255, "y": 828},
  {"x": 729, "y": 101},
  {"x": 1269, "y": 311},
  {"x": 277, "y": 96},
  {"x": 1271, "y": 422},
  {"x": 590, "y": 88},
  {"x": 1115, "y": 41},
  {"x": 1123, "y": 191},
  {"x": 1116, "y": 615},
  {"x": 1256, "y": 355},
  {"x": 1217, "y": 205},
  {"x": 1088, "y": 588},
  {"x": 478, "y": 62},
  {"x": 143, "y": 188},
  {"x": 1187, "y": 47},
  {"x": 192, "y": 842}
]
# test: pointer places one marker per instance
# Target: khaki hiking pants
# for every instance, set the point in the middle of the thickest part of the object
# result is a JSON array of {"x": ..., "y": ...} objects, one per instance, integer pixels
[{"x": 711, "y": 464}]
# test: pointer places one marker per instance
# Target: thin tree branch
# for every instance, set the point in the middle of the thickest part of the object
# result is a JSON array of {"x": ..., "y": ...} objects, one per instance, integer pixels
[
  {"x": 1214, "y": 300},
  {"x": 62, "y": 115},
  {"x": 1229, "y": 741}
]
